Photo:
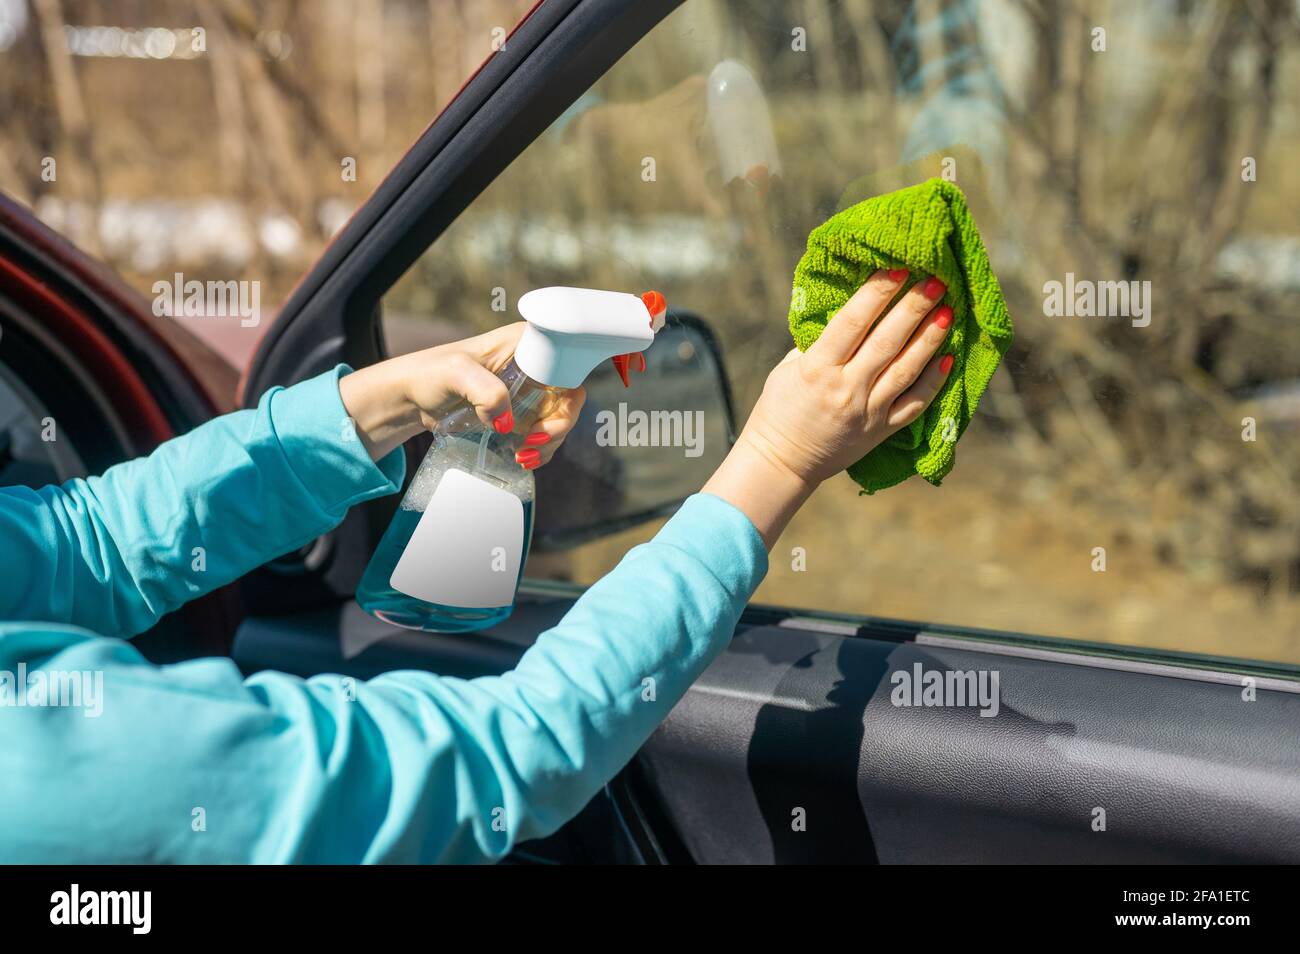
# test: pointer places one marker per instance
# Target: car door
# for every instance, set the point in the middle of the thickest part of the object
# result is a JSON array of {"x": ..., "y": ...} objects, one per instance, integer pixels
[{"x": 814, "y": 737}]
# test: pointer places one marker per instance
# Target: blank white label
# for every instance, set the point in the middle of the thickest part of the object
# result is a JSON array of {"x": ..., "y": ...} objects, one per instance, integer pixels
[{"x": 467, "y": 547}]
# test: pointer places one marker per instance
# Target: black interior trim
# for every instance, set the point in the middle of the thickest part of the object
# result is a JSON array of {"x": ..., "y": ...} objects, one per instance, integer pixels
[
  {"x": 84, "y": 416},
  {"x": 1120, "y": 664}
]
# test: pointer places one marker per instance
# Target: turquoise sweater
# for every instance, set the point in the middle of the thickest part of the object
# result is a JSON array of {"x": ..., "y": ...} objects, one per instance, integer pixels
[{"x": 194, "y": 763}]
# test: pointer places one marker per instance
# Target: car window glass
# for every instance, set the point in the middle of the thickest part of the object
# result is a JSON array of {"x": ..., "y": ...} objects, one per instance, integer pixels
[{"x": 1131, "y": 476}]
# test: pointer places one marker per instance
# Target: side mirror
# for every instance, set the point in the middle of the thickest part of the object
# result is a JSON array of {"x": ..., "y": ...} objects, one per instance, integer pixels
[{"x": 637, "y": 453}]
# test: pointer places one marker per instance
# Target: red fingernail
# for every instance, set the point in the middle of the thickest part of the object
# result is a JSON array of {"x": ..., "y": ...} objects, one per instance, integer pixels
[
  {"x": 532, "y": 464},
  {"x": 527, "y": 456},
  {"x": 934, "y": 288},
  {"x": 897, "y": 274},
  {"x": 536, "y": 439},
  {"x": 504, "y": 424},
  {"x": 945, "y": 364},
  {"x": 943, "y": 318}
]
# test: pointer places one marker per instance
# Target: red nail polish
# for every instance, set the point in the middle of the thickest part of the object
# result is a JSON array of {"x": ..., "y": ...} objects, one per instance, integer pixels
[
  {"x": 934, "y": 288},
  {"x": 945, "y": 364},
  {"x": 536, "y": 439},
  {"x": 897, "y": 274},
  {"x": 527, "y": 454},
  {"x": 504, "y": 423},
  {"x": 532, "y": 464},
  {"x": 943, "y": 318}
]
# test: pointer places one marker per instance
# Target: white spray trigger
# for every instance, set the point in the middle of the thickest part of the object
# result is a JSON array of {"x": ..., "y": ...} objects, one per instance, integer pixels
[{"x": 571, "y": 330}]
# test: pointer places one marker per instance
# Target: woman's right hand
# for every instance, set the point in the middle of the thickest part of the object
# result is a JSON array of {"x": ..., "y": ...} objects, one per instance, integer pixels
[
  {"x": 392, "y": 401},
  {"x": 824, "y": 408}
]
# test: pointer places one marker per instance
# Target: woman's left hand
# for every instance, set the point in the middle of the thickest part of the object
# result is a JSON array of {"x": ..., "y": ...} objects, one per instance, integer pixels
[{"x": 392, "y": 401}]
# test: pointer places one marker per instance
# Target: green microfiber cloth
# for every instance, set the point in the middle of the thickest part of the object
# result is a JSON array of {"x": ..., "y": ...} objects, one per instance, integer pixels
[{"x": 927, "y": 229}]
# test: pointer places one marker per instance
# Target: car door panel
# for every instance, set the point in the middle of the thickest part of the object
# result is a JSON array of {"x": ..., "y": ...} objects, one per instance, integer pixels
[
  {"x": 1186, "y": 770},
  {"x": 794, "y": 722}
]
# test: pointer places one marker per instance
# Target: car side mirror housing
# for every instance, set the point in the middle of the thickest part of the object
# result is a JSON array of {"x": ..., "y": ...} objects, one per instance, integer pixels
[{"x": 637, "y": 453}]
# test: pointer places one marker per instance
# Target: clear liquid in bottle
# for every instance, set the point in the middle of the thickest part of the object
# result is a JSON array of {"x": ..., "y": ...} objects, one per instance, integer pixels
[{"x": 476, "y": 540}]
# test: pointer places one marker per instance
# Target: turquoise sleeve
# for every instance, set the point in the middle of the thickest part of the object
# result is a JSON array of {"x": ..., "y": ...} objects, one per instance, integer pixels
[
  {"x": 110, "y": 758},
  {"x": 116, "y": 552}
]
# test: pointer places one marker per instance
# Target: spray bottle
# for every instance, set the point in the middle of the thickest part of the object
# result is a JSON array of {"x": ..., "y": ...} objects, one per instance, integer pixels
[{"x": 453, "y": 556}]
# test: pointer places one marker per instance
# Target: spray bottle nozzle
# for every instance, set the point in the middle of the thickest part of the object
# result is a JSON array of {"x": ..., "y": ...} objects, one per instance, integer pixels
[
  {"x": 572, "y": 330},
  {"x": 657, "y": 306}
]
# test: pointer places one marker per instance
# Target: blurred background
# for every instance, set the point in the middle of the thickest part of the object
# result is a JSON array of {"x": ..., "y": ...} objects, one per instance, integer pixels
[{"x": 1110, "y": 141}]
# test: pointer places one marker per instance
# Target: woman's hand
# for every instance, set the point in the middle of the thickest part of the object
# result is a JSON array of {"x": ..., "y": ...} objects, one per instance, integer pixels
[
  {"x": 394, "y": 400},
  {"x": 824, "y": 408}
]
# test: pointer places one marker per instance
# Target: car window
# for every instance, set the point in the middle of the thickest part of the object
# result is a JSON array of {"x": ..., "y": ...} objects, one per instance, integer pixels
[
  {"x": 1131, "y": 476},
  {"x": 214, "y": 142}
]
